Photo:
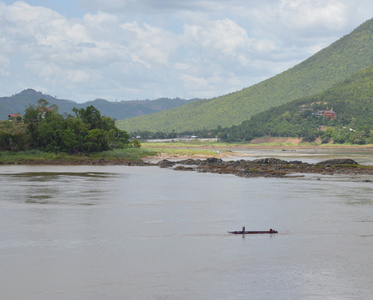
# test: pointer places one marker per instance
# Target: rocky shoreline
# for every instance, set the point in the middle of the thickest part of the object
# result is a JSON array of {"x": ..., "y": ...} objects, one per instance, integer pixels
[
  {"x": 265, "y": 167},
  {"x": 268, "y": 167}
]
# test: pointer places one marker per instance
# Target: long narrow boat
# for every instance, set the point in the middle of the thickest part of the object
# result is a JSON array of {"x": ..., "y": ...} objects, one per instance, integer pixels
[{"x": 253, "y": 232}]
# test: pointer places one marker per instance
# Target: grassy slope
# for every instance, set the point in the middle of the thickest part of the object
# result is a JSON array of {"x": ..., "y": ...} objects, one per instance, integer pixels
[
  {"x": 324, "y": 69},
  {"x": 351, "y": 99}
]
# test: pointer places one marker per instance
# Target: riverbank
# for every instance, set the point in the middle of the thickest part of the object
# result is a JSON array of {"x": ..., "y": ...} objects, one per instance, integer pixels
[
  {"x": 269, "y": 167},
  {"x": 265, "y": 167},
  {"x": 152, "y": 153},
  {"x": 263, "y": 143},
  {"x": 201, "y": 150},
  {"x": 36, "y": 157}
]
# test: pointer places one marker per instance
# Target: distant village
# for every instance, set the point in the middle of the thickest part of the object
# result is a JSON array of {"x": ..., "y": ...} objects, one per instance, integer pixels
[{"x": 321, "y": 113}]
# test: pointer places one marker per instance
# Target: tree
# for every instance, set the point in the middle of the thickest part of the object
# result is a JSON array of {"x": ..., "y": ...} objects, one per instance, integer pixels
[
  {"x": 96, "y": 141},
  {"x": 88, "y": 131},
  {"x": 90, "y": 116},
  {"x": 69, "y": 142},
  {"x": 135, "y": 144}
]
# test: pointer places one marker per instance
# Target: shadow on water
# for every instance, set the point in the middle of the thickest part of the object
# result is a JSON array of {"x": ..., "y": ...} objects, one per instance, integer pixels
[
  {"x": 359, "y": 202},
  {"x": 60, "y": 188},
  {"x": 39, "y": 199},
  {"x": 48, "y": 176}
]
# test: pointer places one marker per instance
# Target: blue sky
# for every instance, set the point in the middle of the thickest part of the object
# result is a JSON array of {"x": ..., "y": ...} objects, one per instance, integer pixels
[{"x": 146, "y": 49}]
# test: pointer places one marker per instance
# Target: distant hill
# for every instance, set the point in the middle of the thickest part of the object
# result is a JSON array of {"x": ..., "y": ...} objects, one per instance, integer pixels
[
  {"x": 342, "y": 113},
  {"x": 118, "y": 110},
  {"x": 19, "y": 102},
  {"x": 331, "y": 65}
]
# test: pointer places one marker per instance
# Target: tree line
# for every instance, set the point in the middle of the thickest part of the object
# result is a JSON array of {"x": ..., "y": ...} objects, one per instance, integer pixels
[{"x": 84, "y": 131}]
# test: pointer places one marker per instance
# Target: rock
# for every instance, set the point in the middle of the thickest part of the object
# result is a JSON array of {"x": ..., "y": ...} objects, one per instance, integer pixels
[
  {"x": 166, "y": 164},
  {"x": 136, "y": 163},
  {"x": 189, "y": 162},
  {"x": 182, "y": 168},
  {"x": 212, "y": 161},
  {"x": 270, "y": 160},
  {"x": 295, "y": 162},
  {"x": 338, "y": 161},
  {"x": 268, "y": 167}
]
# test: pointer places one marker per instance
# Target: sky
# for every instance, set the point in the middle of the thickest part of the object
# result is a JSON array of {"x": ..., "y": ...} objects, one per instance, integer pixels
[{"x": 147, "y": 49}]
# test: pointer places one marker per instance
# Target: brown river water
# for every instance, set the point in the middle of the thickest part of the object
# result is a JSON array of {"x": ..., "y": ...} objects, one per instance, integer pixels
[{"x": 115, "y": 232}]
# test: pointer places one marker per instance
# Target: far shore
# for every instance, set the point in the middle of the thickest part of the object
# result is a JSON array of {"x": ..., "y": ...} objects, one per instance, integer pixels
[
  {"x": 258, "y": 143},
  {"x": 174, "y": 151},
  {"x": 169, "y": 150}
]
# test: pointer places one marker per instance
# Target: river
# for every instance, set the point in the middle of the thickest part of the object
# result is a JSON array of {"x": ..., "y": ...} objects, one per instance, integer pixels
[{"x": 116, "y": 232}]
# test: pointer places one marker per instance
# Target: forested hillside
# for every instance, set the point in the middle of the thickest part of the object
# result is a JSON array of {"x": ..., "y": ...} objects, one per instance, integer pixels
[
  {"x": 117, "y": 110},
  {"x": 343, "y": 113},
  {"x": 331, "y": 65}
]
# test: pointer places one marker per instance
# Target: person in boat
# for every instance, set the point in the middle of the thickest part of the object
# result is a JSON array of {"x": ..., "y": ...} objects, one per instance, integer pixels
[{"x": 243, "y": 229}]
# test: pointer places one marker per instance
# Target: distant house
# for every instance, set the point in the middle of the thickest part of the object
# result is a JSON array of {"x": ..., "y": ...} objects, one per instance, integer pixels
[
  {"x": 326, "y": 113},
  {"x": 43, "y": 112},
  {"x": 187, "y": 137},
  {"x": 13, "y": 117}
]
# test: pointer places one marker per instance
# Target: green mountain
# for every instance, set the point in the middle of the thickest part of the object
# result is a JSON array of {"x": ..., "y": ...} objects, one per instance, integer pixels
[
  {"x": 331, "y": 65},
  {"x": 19, "y": 102},
  {"x": 117, "y": 110},
  {"x": 342, "y": 113}
]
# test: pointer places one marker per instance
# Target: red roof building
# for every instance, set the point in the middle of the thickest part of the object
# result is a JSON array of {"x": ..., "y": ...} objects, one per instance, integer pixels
[
  {"x": 14, "y": 115},
  {"x": 326, "y": 113}
]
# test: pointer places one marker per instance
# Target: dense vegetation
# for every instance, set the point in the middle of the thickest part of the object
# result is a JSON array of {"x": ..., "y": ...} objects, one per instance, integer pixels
[
  {"x": 43, "y": 128},
  {"x": 351, "y": 100},
  {"x": 316, "y": 74},
  {"x": 117, "y": 110}
]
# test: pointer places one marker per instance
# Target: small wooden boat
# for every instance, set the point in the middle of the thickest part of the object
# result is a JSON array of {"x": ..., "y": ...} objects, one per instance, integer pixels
[{"x": 253, "y": 232}]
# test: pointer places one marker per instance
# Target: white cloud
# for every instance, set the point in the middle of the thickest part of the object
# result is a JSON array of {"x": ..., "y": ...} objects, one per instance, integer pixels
[
  {"x": 149, "y": 43},
  {"x": 159, "y": 6},
  {"x": 300, "y": 18},
  {"x": 4, "y": 66},
  {"x": 224, "y": 36},
  {"x": 127, "y": 49}
]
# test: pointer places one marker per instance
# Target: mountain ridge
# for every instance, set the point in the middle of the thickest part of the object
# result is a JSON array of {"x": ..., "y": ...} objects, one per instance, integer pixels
[
  {"x": 327, "y": 67},
  {"x": 342, "y": 113},
  {"x": 117, "y": 110}
]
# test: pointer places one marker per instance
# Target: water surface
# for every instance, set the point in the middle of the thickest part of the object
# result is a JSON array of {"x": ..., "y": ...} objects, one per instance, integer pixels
[{"x": 113, "y": 232}]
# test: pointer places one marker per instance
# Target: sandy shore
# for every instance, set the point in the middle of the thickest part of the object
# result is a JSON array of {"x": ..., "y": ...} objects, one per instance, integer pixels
[
  {"x": 222, "y": 155},
  {"x": 225, "y": 151}
]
